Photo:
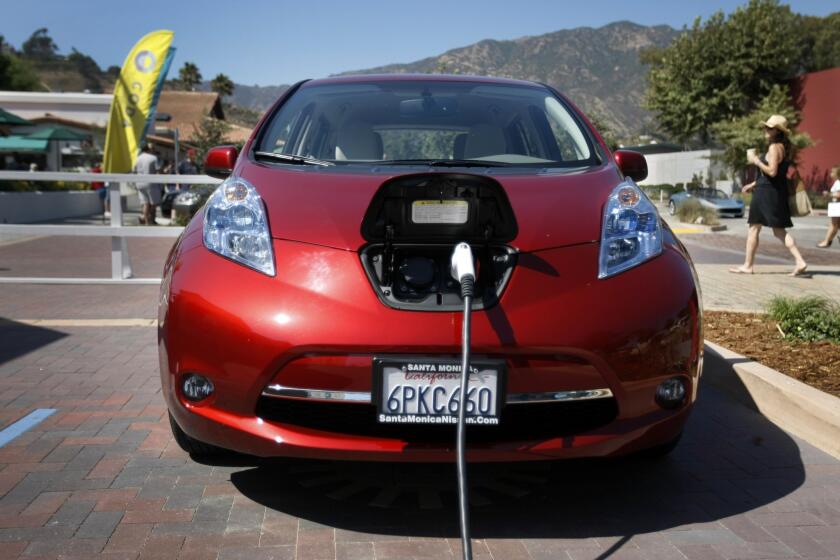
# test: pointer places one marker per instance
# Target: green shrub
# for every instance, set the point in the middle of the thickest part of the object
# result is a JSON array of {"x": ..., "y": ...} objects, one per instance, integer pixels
[
  {"x": 691, "y": 209},
  {"x": 653, "y": 190},
  {"x": 818, "y": 201},
  {"x": 809, "y": 318},
  {"x": 43, "y": 186}
]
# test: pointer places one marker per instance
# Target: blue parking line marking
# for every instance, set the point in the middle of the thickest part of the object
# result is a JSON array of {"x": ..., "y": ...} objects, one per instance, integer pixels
[{"x": 26, "y": 423}]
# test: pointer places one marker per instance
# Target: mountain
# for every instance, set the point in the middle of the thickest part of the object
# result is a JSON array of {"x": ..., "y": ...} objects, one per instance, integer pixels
[
  {"x": 597, "y": 68},
  {"x": 258, "y": 98}
]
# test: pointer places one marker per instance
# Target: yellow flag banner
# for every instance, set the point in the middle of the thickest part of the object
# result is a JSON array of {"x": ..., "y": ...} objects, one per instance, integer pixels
[{"x": 135, "y": 98}]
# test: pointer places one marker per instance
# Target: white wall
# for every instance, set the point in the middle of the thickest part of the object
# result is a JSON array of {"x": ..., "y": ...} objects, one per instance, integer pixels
[
  {"x": 680, "y": 167},
  {"x": 90, "y": 108},
  {"x": 29, "y": 207}
]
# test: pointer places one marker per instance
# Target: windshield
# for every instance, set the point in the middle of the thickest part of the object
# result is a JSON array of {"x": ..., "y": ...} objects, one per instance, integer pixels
[{"x": 402, "y": 122}]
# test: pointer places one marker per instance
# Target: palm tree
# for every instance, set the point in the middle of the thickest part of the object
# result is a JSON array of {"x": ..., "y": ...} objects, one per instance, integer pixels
[
  {"x": 189, "y": 76},
  {"x": 222, "y": 85}
]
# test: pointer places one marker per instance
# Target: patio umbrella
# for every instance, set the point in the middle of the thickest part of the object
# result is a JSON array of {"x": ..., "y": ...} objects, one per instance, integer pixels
[
  {"x": 57, "y": 133},
  {"x": 8, "y": 119}
]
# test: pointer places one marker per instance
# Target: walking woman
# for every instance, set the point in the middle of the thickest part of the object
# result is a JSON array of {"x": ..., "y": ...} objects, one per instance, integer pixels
[
  {"x": 769, "y": 206},
  {"x": 835, "y": 222}
]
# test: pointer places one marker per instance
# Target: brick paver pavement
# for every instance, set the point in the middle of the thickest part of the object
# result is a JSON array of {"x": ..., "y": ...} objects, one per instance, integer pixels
[
  {"x": 742, "y": 292},
  {"x": 102, "y": 478}
]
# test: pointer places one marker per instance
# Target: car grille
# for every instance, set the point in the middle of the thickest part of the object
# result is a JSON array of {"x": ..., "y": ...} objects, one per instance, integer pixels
[
  {"x": 519, "y": 422},
  {"x": 733, "y": 211}
]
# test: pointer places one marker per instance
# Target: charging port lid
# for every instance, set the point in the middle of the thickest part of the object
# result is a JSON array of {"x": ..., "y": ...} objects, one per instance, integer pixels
[{"x": 440, "y": 207}]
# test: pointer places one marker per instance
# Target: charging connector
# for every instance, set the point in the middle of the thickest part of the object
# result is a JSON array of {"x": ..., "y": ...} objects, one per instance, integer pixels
[{"x": 463, "y": 270}]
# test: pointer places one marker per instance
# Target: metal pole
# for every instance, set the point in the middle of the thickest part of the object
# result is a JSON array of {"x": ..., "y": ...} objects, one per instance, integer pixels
[
  {"x": 120, "y": 262},
  {"x": 177, "y": 154}
]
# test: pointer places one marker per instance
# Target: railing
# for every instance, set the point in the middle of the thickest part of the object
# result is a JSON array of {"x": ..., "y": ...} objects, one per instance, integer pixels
[{"x": 121, "y": 272}]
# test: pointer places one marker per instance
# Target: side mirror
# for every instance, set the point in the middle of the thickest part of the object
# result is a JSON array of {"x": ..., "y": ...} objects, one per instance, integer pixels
[
  {"x": 632, "y": 164},
  {"x": 219, "y": 161}
]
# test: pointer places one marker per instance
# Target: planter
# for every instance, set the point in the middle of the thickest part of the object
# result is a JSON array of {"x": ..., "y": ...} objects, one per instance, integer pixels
[
  {"x": 38, "y": 206},
  {"x": 795, "y": 407}
]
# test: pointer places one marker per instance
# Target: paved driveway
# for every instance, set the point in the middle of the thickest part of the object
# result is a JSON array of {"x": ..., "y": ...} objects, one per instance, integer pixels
[{"x": 103, "y": 478}]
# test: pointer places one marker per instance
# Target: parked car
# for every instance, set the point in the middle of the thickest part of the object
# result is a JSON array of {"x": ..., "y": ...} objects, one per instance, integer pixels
[
  {"x": 189, "y": 200},
  {"x": 717, "y": 200},
  {"x": 309, "y": 311}
]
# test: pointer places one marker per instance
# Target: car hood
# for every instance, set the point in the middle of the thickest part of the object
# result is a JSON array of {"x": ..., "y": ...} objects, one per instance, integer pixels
[
  {"x": 326, "y": 206},
  {"x": 726, "y": 202}
]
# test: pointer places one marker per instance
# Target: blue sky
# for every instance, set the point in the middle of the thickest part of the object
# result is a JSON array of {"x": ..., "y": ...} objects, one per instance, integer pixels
[{"x": 266, "y": 43}]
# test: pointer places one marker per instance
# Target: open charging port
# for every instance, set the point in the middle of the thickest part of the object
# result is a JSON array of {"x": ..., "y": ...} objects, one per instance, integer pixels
[{"x": 414, "y": 222}]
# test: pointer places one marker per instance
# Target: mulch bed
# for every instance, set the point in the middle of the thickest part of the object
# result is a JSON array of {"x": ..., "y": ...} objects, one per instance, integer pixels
[{"x": 756, "y": 336}]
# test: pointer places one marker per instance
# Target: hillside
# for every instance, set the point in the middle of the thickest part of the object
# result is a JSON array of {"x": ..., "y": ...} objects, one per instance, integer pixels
[{"x": 598, "y": 68}]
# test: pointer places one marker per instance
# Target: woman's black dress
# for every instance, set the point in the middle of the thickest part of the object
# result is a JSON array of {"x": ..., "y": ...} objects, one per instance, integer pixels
[{"x": 769, "y": 206}]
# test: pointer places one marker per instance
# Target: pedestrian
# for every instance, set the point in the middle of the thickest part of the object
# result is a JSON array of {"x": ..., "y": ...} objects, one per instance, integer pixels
[
  {"x": 834, "y": 226},
  {"x": 101, "y": 189},
  {"x": 187, "y": 166},
  {"x": 149, "y": 193},
  {"x": 769, "y": 206}
]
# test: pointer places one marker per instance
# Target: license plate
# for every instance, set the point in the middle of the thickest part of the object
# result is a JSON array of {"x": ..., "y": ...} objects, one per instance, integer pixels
[{"x": 427, "y": 391}]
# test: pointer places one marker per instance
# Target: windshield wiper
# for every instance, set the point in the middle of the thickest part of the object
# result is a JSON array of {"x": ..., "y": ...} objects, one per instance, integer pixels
[
  {"x": 288, "y": 158},
  {"x": 446, "y": 162}
]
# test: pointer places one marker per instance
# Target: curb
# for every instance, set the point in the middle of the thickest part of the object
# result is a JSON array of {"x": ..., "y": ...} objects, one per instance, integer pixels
[
  {"x": 795, "y": 407},
  {"x": 682, "y": 227}
]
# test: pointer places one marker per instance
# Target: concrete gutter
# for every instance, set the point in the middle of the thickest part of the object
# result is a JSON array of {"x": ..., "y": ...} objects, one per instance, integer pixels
[{"x": 795, "y": 407}]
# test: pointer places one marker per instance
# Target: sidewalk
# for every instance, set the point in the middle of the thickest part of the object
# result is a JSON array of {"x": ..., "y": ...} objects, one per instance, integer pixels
[{"x": 724, "y": 291}]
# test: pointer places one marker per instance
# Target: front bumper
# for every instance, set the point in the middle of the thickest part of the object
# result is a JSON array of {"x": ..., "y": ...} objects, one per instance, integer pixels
[{"x": 559, "y": 328}]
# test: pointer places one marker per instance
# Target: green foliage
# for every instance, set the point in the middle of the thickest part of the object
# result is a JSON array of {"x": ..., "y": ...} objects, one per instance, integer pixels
[
  {"x": 43, "y": 186},
  {"x": 720, "y": 68},
  {"x": 189, "y": 76},
  {"x": 16, "y": 74},
  {"x": 691, "y": 209},
  {"x": 242, "y": 115},
  {"x": 822, "y": 42},
  {"x": 208, "y": 134},
  {"x": 602, "y": 125},
  {"x": 809, "y": 318},
  {"x": 741, "y": 133},
  {"x": 87, "y": 68},
  {"x": 222, "y": 85},
  {"x": 653, "y": 190},
  {"x": 40, "y": 45}
]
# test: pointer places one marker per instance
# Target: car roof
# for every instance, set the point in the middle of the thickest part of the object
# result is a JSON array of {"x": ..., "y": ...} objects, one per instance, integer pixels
[{"x": 365, "y": 78}]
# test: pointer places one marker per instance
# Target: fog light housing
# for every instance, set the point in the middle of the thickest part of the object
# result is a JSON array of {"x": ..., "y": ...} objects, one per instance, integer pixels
[
  {"x": 196, "y": 387},
  {"x": 670, "y": 393}
]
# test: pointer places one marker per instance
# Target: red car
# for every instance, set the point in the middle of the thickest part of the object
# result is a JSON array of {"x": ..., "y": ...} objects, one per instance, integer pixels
[{"x": 309, "y": 310}]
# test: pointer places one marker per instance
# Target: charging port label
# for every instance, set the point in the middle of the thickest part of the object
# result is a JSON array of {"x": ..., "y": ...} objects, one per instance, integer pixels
[{"x": 440, "y": 211}]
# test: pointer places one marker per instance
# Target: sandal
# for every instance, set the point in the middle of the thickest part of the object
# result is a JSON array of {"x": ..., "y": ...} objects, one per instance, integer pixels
[
  {"x": 740, "y": 270},
  {"x": 824, "y": 245},
  {"x": 799, "y": 271}
]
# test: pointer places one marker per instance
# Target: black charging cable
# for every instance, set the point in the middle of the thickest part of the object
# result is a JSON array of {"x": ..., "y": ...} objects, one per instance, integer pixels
[{"x": 463, "y": 270}]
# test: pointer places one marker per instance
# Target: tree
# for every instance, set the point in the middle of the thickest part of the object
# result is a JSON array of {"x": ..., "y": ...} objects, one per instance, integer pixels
[
  {"x": 742, "y": 133},
  {"x": 822, "y": 42},
  {"x": 189, "y": 76},
  {"x": 88, "y": 68},
  {"x": 40, "y": 46},
  {"x": 210, "y": 132},
  {"x": 222, "y": 85},
  {"x": 722, "y": 67},
  {"x": 16, "y": 74},
  {"x": 601, "y": 124}
]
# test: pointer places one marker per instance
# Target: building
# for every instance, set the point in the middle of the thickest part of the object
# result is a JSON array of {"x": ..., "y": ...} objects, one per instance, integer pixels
[
  {"x": 817, "y": 96},
  {"x": 89, "y": 112}
]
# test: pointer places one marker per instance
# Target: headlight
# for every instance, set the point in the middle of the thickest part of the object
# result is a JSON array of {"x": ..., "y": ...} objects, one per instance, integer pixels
[
  {"x": 235, "y": 226},
  {"x": 631, "y": 232}
]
